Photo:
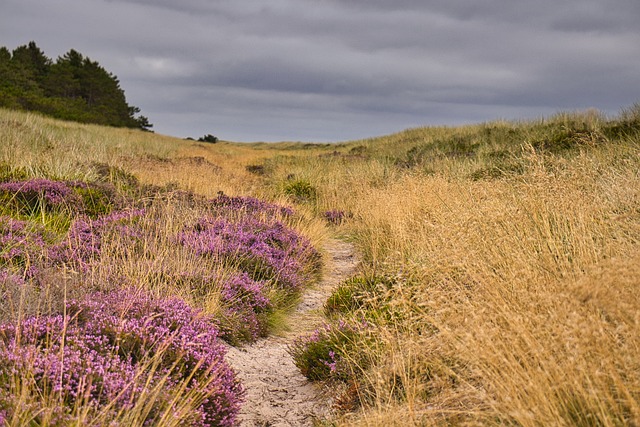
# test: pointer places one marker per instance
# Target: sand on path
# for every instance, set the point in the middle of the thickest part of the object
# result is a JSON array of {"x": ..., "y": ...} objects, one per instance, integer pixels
[{"x": 277, "y": 393}]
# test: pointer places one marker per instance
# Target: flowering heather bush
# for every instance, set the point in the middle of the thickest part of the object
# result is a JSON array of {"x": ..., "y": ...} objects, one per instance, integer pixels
[
  {"x": 266, "y": 251},
  {"x": 244, "y": 303},
  {"x": 333, "y": 351},
  {"x": 8, "y": 277},
  {"x": 31, "y": 195},
  {"x": 9, "y": 283},
  {"x": 335, "y": 216},
  {"x": 92, "y": 199},
  {"x": 248, "y": 206},
  {"x": 19, "y": 245},
  {"x": 245, "y": 308},
  {"x": 84, "y": 241},
  {"x": 115, "y": 349}
]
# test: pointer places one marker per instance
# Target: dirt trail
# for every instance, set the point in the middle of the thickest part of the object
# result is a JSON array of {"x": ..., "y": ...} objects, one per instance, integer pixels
[{"x": 277, "y": 393}]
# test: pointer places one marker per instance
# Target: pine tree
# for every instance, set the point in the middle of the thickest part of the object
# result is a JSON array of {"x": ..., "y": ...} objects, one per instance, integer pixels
[{"x": 72, "y": 88}]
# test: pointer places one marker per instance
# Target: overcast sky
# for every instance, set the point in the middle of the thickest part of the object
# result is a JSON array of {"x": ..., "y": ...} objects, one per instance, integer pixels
[{"x": 334, "y": 70}]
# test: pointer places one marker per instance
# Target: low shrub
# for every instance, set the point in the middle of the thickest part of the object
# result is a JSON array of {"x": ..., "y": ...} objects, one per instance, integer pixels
[
  {"x": 334, "y": 352},
  {"x": 350, "y": 295},
  {"x": 9, "y": 172},
  {"x": 256, "y": 169},
  {"x": 36, "y": 195},
  {"x": 98, "y": 199},
  {"x": 267, "y": 251},
  {"x": 336, "y": 216},
  {"x": 84, "y": 240},
  {"x": 117, "y": 176},
  {"x": 240, "y": 206},
  {"x": 245, "y": 307},
  {"x": 301, "y": 190},
  {"x": 21, "y": 245},
  {"x": 122, "y": 350}
]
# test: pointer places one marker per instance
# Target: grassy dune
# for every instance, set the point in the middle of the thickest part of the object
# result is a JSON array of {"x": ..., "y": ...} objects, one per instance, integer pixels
[{"x": 500, "y": 281}]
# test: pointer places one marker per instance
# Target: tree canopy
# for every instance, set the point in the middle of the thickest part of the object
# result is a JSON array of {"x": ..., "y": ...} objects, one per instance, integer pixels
[{"x": 72, "y": 88}]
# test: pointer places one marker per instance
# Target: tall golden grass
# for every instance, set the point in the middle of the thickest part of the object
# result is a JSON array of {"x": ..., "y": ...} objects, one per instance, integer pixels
[{"x": 532, "y": 283}]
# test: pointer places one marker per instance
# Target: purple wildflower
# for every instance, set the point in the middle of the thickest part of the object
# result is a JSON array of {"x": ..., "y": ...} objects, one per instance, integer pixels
[
  {"x": 20, "y": 246},
  {"x": 40, "y": 192},
  {"x": 243, "y": 206},
  {"x": 10, "y": 280},
  {"x": 84, "y": 240},
  {"x": 99, "y": 350},
  {"x": 245, "y": 306},
  {"x": 266, "y": 251},
  {"x": 336, "y": 216}
]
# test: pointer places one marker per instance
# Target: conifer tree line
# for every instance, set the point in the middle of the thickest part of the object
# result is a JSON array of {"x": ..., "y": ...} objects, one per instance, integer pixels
[{"x": 72, "y": 88}]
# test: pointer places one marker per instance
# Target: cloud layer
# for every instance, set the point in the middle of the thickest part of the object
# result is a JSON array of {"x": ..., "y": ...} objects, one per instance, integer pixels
[{"x": 328, "y": 70}]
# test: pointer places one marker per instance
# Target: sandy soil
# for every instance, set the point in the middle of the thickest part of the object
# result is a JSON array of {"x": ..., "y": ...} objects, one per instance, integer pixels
[{"x": 277, "y": 393}]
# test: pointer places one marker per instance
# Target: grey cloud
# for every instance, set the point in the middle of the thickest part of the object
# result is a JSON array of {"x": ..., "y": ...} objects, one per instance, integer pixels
[{"x": 341, "y": 69}]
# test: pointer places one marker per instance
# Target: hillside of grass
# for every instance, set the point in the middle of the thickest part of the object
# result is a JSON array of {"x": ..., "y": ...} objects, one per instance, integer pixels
[{"x": 499, "y": 281}]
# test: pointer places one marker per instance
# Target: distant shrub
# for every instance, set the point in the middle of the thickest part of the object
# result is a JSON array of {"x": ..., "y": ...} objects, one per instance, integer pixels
[
  {"x": 567, "y": 138},
  {"x": 115, "y": 175},
  {"x": 208, "y": 138},
  {"x": 496, "y": 172},
  {"x": 358, "y": 150},
  {"x": 256, "y": 169}
]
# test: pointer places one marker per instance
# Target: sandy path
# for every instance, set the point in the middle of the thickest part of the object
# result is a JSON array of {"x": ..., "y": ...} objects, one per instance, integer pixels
[{"x": 277, "y": 393}]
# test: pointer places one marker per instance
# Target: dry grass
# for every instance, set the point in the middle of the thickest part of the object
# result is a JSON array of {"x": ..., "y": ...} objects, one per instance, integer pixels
[
  {"x": 527, "y": 283},
  {"x": 44, "y": 146},
  {"x": 531, "y": 284}
]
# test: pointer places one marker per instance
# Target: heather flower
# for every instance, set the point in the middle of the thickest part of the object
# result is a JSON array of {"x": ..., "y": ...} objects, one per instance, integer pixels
[
  {"x": 9, "y": 279},
  {"x": 244, "y": 206},
  {"x": 333, "y": 351},
  {"x": 245, "y": 307},
  {"x": 101, "y": 350},
  {"x": 266, "y": 251},
  {"x": 85, "y": 238},
  {"x": 32, "y": 194},
  {"x": 20, "y": 246},
  {"x": 335, "y": 216},
  {"x": 244, "y": 302}
]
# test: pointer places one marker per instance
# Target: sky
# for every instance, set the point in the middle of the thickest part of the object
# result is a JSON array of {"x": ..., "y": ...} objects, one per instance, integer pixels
[{"x": 337, "y": 70}]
